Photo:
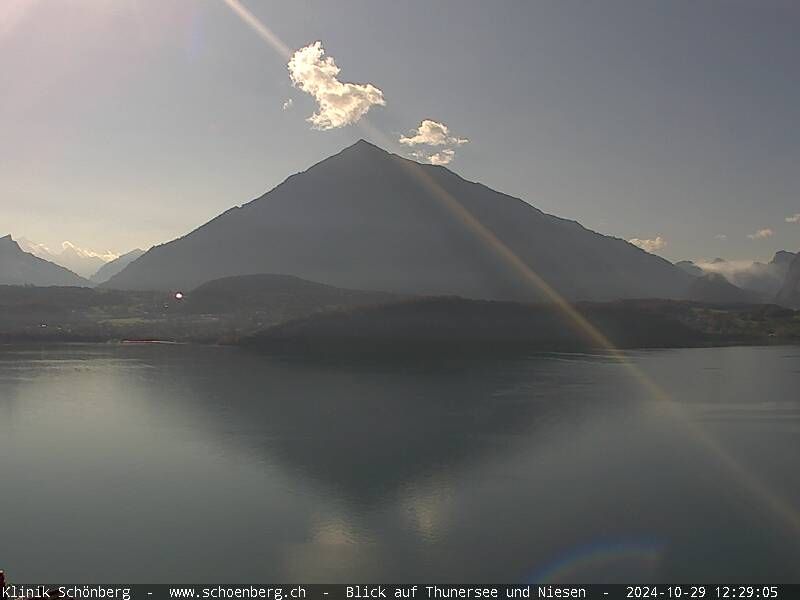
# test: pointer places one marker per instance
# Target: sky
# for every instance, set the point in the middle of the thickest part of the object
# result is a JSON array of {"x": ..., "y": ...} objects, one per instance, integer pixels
[{"x": 127, "y": 123}]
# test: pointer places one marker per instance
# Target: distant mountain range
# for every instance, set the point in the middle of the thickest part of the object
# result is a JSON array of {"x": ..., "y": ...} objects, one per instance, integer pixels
[
  {"x": 764, "y": 280},
  {"x": 22, "y": 268},
  {"x": 71, "y": 257},
  {"x": 97, "y": 268},
  {"x": 368, "y": 219}
]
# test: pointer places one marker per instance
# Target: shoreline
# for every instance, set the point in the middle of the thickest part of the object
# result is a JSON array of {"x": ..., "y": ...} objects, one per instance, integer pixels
[{"x": 423, "y": 347}]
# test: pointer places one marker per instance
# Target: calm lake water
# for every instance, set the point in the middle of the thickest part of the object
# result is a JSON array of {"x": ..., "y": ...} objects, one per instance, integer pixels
[{"x": 183, "y": 464}]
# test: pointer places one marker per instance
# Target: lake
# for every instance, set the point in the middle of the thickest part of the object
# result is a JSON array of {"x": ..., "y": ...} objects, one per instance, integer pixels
[{"x": 201, "y": 464}]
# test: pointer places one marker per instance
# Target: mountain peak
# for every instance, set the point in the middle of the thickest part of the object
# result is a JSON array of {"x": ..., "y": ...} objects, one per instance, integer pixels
[
  {"x": 362, "y": 143},
  {"x": 8, "y": 242},
  {"x": 359, "y": 155},
  {"x": 362, "y": 146}
]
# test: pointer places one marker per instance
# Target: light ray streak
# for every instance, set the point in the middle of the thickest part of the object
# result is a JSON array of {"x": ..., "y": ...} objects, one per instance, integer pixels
[
  {"x": 775, "y": 503},
  {"x": 264, "y": 32}
]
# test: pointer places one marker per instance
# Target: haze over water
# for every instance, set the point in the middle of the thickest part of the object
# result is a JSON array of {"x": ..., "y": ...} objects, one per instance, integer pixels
[{"x": 191, "y": 464}]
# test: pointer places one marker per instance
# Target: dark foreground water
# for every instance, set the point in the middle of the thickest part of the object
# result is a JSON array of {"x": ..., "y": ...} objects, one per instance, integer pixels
[{"x": 181, "y": 464}]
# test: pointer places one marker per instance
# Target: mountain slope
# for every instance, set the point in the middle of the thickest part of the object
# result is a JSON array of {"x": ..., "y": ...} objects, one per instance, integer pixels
[
  {"x": 790, "y": 293},
  {"x": 367, "y": 219},
  {"x": 20, "y": 268},
  {"x": 79, "y": 261},
  {"x": 713, "y": 287},
  {"x": 689, "y": 267},
  {"x": 109, "y": 269}
]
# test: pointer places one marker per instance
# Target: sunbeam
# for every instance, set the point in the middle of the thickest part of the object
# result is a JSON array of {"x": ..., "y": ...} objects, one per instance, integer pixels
[{"x": 262, "y": 30}]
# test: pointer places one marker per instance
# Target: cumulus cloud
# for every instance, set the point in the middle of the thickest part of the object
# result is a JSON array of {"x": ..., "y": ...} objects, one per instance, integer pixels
[
  {"x": 793, "y": 219},
  {"x": 288, "y": 104},
  {"x": 761, "y": 234},
  {"x": 729, "y": 268},
  {"x": 338, "y": 103},
  {"x": 442, "y": 157},
  {"x": 432, "y": 133},
  {"x": 720, "y": 236},
  {"x": 649, "y": 245}
]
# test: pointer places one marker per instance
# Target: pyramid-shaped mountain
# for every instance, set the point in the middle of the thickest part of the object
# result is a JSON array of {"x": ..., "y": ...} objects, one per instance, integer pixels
[
  {"x": 21, "y": 268},
  {"x": 368, "y": 219}
]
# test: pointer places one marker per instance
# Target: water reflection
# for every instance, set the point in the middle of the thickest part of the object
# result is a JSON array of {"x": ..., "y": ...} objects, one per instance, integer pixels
[{"x": 210, "y": 464}]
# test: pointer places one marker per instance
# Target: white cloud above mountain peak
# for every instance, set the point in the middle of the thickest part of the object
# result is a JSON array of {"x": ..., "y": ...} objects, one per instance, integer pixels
[
  {"x": 338, "y": 103},
  {"x": 433, "y": 134}
]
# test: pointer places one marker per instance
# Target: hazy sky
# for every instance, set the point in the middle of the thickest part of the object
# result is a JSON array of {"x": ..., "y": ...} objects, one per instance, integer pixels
[{"x": 126, "y": 123}]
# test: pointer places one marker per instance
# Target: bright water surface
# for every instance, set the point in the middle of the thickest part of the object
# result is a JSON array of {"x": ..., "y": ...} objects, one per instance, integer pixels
[{"x": 185, "y": 464}]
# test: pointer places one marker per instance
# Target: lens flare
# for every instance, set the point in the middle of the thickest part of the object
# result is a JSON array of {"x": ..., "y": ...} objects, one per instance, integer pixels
[{"x": 613, "y": 559}]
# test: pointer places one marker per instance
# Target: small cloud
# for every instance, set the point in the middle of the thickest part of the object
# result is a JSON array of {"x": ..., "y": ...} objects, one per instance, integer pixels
[
  {"x": 729, "y": 268},
  {"x": 761, "y": 234},
  {"x": 338, "y": 103},
  {"x": 721, "y": 236},
  {"x": 649, "y": 245},
  {"x": 442, "y": 157},
  {"x": 288, "y": 104},
  {"x": 432, "y": 133},
  {"x": 793, "y": 219}
]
